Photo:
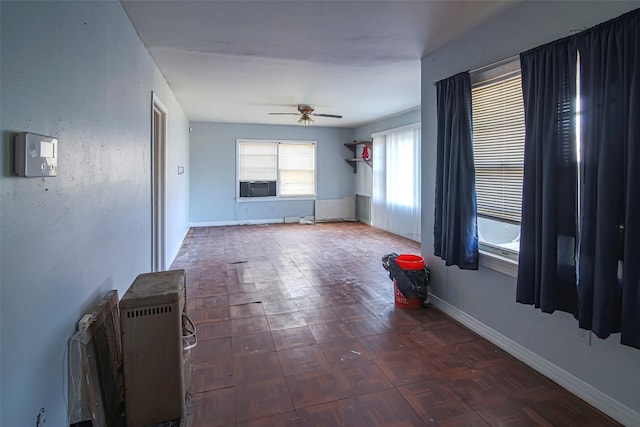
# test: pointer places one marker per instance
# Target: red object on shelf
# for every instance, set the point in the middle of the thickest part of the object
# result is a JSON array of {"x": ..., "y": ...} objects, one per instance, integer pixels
[{"x": 365, "y": 152}]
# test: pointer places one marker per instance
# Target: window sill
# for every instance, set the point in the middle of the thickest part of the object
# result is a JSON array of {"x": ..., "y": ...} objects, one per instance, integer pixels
[
  {"x": 273, "y": 199},
  {"x": 499, "y": 263}
]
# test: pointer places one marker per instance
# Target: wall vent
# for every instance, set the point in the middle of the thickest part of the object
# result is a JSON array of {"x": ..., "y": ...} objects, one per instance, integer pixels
[{"x": 363, "y": 208}]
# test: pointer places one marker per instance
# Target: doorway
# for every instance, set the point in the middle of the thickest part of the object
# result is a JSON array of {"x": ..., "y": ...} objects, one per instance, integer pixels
[{"x": 158, "y": 175}]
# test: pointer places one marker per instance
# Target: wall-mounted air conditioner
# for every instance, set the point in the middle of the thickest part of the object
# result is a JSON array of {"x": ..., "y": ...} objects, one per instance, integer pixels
[{"x": 257, "y": 188}]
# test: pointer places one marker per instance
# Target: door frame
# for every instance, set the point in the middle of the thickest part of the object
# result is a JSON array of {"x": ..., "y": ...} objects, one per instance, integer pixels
[{"x": 158, "y": 183}]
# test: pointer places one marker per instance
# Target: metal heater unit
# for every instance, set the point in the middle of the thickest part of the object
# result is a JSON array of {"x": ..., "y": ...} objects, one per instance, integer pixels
[{"x": 155, "y": 359}]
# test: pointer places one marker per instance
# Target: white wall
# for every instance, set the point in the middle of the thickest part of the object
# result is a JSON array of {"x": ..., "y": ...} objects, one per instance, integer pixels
[
  {"x": 489, "y": 296},
  {"x": 78, "y": 71},
  {"x": 364, "y": 176},
  {"x": 213, "y": 174}
]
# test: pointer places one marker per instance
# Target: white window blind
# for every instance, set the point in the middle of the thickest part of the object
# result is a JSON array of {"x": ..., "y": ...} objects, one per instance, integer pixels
[
  {"x": 297, "y": 169},
  {"x": 498, "y": 147},
  {"x": 257, "y": 161},
  {"x": 395, "y": 204}
]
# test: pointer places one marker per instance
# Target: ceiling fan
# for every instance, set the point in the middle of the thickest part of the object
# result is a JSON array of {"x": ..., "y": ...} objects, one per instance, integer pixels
[{"x": 306, "y": 111}]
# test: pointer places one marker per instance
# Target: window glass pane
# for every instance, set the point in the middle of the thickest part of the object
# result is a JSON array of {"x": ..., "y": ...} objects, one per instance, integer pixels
[{"x": 499, "y": 237}]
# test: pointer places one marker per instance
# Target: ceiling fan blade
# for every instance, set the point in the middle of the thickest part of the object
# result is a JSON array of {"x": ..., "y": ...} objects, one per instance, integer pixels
[
  {"x": 284, "y": 114},
  {"x": 335, "y": 116}
]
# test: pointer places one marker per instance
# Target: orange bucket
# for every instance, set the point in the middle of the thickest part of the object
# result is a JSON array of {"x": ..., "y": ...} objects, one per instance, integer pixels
[
  {"x": 407, "y": 262},
  {"x": 403, "y": 302},
  {"x": 410, "y": 262}
]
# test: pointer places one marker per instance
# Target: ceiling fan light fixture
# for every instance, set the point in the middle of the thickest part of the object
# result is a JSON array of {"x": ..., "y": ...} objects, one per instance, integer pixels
[
  {"x": 305, "y": 120},
  {"x": 305, "y": 111}
]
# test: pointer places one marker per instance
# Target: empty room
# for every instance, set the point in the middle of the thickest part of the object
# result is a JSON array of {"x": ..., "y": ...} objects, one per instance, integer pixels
[{"x": 389, "y": 213}]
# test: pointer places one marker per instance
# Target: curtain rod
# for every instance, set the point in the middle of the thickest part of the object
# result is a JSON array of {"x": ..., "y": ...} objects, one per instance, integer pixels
[
  {"x": 396, "y": 129},
  {"x": 495, "y": 64},
  {"x": 489, "y": 66}
]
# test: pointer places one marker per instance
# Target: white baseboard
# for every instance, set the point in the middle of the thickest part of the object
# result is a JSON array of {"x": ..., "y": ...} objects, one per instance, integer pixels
[
  {"x": 575, "y": 385},
  {"x": 239, "y": 222}
]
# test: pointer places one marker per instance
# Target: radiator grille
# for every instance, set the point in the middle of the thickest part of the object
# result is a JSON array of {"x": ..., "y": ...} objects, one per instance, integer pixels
[{"x": 149, "y": 311}]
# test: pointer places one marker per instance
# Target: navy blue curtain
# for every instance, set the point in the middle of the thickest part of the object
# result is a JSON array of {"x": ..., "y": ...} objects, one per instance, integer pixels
[
  {"x": 609, "y": 251},
  {"x": 455, "y": 227},
  {"x": 546, "y": 267}
]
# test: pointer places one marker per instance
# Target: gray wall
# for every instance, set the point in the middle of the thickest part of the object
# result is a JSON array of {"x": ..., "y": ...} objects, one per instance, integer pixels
[
  {"x": 489, "y": 296},
  {"x": 78, "y": 71},
  {"x": 213, "y": 171},
  {"x": 364, "y": 176}
]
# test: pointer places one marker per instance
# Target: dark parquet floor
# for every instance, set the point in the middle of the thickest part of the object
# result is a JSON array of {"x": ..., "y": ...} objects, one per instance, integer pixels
[{"x": 297, "y": 327}]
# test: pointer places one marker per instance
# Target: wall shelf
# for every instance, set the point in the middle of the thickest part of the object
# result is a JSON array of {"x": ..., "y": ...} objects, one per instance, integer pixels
[{"x": 353, "y": 146}]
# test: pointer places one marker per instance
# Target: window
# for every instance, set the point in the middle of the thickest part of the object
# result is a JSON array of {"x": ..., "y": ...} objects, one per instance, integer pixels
[
  {"x": 296, "y": 163},
  {"x": 396, "y": 181},
  {"x": 498, "y": 147},
  {"x": 276, "y": 169}
]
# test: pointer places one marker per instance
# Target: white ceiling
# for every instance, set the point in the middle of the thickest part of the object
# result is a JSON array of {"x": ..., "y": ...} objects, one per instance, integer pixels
[{"x": 236, "y": 61}]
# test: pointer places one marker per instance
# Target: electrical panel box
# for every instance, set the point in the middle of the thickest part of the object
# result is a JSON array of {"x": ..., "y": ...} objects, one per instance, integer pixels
[{"x": 35, "y": 155}]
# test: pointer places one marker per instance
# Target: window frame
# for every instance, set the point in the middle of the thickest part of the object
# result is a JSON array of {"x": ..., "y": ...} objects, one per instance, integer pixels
[
  {"x": 278, "y": 196},
  {"x": 496, "y": 257}
]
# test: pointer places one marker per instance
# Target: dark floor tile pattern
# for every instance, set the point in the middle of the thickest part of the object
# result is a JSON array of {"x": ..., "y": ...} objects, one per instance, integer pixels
[{"x": 297, "y": 327}]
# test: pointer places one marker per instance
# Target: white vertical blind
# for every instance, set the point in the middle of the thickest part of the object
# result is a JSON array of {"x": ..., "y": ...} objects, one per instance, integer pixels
[
  {"x": 396, "y": 183},
  {"x": 297, "y": 169},
  {"x": 498, "y": 147},
  {"x": 379, "y": 190}
]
